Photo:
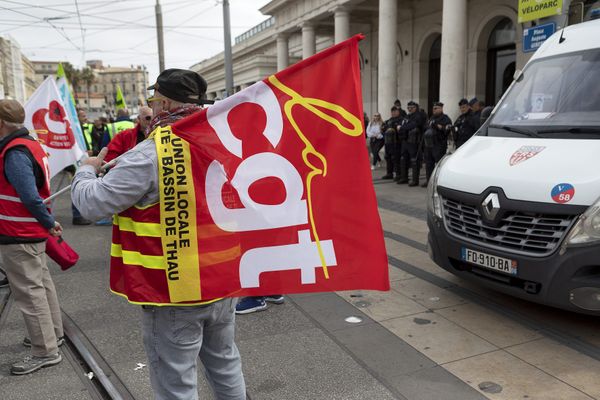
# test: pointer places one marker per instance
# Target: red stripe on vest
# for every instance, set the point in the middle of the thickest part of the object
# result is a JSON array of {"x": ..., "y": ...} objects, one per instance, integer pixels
[
  {"x": 151, "y": 246},
  {"x": 16, "y": 210},
  {"x": 138, "y": 284}
]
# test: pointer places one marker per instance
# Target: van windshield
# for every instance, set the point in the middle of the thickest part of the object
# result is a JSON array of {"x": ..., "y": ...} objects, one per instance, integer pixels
[{"x": 557, "y": 96}]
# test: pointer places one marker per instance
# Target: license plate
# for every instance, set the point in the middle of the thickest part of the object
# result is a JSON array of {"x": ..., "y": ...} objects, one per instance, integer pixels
[{"x": 489, "y": 261}]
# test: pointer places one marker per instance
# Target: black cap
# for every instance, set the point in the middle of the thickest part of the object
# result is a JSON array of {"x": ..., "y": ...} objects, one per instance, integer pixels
[
  {"x": 463, "y": 102},
  {"x": 182, "y": 85},
  {"x": 473, "y": 101},
  {"x": 412, "y": 103},
  {"x": 438, "y": 104}
]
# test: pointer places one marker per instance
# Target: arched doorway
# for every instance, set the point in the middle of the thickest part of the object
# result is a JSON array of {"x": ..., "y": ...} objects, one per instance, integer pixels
[
  {"x": 435, "y": 57},
  {"x": 501, "y": 60}
]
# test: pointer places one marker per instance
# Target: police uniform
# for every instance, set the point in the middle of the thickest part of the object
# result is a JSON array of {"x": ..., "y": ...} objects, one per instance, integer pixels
[
  {"x": 465, "y": 127},
  {"x": 392, "y": 146},
  {"x": 435, "y": 141},
  {"x": 410, "y": 135}
]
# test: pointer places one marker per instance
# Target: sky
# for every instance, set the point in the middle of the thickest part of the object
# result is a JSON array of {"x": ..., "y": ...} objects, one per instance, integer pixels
[{"x": 123, "y": 32}]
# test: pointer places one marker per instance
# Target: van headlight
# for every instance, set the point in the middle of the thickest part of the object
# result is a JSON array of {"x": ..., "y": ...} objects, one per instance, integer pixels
[
  {"x": 587, "y": 227},
  {"x": 434, "y": 201}
]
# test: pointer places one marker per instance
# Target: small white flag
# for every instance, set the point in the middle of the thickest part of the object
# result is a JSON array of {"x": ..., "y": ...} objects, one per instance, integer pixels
[{"x": 47, "y": 120}]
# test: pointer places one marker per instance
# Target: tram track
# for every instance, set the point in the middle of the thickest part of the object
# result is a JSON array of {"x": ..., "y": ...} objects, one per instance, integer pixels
[{"x": 99, "y": 379}]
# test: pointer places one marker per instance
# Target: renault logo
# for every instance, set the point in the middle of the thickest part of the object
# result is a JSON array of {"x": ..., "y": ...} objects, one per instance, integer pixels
[{"x": 491, "y": 206}]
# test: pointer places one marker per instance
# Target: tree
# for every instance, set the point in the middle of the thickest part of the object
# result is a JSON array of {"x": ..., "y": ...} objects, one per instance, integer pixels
[
  {"x": 87, "y": 76},
  {"x": 73, "y": 76}
]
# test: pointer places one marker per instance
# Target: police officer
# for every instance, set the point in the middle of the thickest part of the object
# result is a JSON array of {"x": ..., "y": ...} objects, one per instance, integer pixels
[
  {"x": 122, "y": 122},
  {"x": 476, "y": 107},
  {"x": 86, "y": 128},
  {"x": 465, "y": 125},
  {"x": 435, "y": 139},
  {"x": 392, "y": 144},
  {"x": 410, "y": 134}
]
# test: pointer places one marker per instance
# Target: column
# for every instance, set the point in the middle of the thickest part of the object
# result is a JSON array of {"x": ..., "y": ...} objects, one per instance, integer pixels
[
  {"x": 308, "y": 40},
  {"x": 341, "y": 17},
  {"x": 283, "y": 58},
  {"x": 454, "y": 48},
  {"x": 387, "y": 79}
]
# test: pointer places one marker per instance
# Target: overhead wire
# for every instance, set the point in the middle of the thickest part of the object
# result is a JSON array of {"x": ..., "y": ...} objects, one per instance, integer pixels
[
  {"x": 82, "y": 34},
  {"x": 82, "y": 12},
  {"x": 125, "y": 23}
]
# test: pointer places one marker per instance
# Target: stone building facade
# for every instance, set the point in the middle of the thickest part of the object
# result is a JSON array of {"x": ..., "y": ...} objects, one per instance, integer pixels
[
  {"x": 44, "y": 69},
  {"x": 13, "y": 78},
  {"x": 421, "y": 50},
  {"x": 29, "y": 77},
  {"x": 133, "y": 81}
]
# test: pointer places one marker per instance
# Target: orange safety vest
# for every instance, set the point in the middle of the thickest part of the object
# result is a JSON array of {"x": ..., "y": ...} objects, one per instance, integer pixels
[
  {"x": 137, "y": 268},
  {"x": 15, "y": 219}
]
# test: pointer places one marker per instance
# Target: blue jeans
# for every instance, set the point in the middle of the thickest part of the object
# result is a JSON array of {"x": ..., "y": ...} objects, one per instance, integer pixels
[{"x": 174, "y": 338}]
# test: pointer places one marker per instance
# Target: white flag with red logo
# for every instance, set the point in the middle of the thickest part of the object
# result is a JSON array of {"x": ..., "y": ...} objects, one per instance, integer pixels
[{"x": 47, "y": 120}]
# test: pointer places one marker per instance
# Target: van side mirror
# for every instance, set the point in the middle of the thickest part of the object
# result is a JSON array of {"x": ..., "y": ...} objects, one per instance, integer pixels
[{"x": 518, "y": 75}]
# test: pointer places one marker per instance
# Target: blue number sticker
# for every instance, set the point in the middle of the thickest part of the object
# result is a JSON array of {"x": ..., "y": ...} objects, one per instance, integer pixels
[{"x": 563, "y": 193}]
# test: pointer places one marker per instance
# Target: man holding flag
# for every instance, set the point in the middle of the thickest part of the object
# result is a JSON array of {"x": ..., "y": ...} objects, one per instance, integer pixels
[
  {"x": 173, "y": 336},
  {"x": 25, "y": 224}
]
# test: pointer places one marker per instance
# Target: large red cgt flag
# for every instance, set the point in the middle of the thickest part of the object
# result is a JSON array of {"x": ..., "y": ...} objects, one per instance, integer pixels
[{"x": 276, "y": 178}]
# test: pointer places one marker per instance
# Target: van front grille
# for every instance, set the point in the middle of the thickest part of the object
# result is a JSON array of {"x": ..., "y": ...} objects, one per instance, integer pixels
[{"x": 532, "y": 234}]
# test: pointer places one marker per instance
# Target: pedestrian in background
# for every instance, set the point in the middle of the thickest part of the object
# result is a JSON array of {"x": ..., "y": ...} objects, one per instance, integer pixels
[
  {"x": 86, "y": 129},
  {"x": 129, "y": 138},
  {"x": 25, "y": 225},
  {"x": 122, "y": 122},
  {"x": 376, "y": 141},
  {"x": 485, "y": 114},
  {"x": 435, "y": 139},
  {"x": 175, "y": 336},
  {"x": 390, "y": 137},
  {"x": 398, "y": 105},
  {"x": 99, "y": 129},
  {"x": 465, "y": 125},
  {"x": 410, "y": 134},
  {"x": 476, "y": 107}
]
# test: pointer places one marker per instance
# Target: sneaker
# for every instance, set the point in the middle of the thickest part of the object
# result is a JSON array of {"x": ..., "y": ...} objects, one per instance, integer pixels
[
  {"x": 275, "y": 299},
  {"x": 387, "y": 176},
  {"x": 3, "y": 282},
  {"x": 59, "y": 342},
  {"x": 81, "y": 221},
  {"x": 250, "y": 304},
  {"x": 372, "y": 167},
  {"x": 33, "y": 363},
  {"x": 104, "y": 222}
]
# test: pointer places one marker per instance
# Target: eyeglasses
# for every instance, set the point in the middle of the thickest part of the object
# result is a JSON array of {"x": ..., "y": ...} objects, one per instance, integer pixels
[{"x": 152, "y": 99}]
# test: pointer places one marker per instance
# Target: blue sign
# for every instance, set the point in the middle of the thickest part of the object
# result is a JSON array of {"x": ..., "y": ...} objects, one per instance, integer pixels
[{"x": 536, "y": 35}]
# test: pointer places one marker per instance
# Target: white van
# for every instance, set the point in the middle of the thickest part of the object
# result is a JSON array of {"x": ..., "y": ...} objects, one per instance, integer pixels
[{"x": 517, "y": 208}]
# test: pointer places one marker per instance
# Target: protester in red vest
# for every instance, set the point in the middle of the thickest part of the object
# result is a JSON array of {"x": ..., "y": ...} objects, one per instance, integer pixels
[
  {"x": 175, "y": 333},
  {"x": 25, "y": 225},
  {"x": 129, "y": 138}
]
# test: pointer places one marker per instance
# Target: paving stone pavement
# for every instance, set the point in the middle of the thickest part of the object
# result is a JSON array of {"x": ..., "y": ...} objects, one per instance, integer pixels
[{"x": 422, "y": 340}]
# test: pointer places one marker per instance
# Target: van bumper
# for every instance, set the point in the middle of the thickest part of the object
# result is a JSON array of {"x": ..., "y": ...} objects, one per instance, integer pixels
[{"x": 570, "y": 281}]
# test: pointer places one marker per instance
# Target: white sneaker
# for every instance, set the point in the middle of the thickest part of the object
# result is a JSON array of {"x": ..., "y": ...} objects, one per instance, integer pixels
[{"x": 372, "y": 167}]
